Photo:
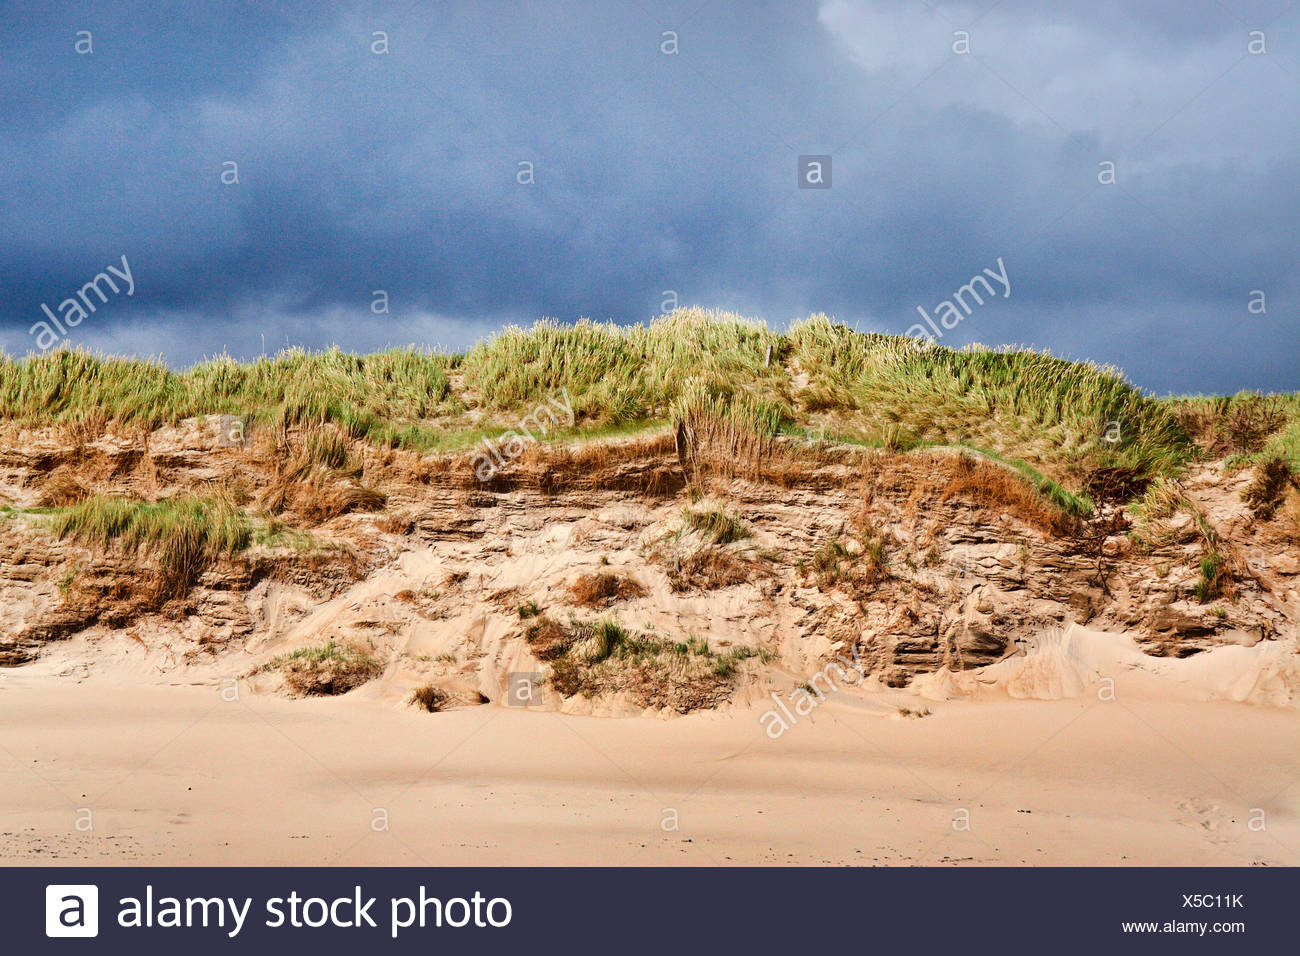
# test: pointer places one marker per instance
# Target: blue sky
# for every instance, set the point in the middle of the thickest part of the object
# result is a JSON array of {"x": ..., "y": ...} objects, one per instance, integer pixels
[{"x": 659, "y": 172}]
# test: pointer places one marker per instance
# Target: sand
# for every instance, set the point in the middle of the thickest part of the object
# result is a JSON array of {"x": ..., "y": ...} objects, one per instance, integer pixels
[{"x": 1130, "y": 760}]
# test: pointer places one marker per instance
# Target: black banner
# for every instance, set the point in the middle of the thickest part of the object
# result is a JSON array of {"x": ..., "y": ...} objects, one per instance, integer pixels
[{"x": 522, "y": 911}]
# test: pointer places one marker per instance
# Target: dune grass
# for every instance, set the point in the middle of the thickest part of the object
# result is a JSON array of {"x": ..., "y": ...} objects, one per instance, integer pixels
[
  {"x": 186, "y": 533},
  {"x": 1247, "y": 428},
  {"x": 715, "y": 524},
  {"x": 1074, "y": 505},
  {"x": 373, "y": 396},
  {"x": 602, "y": 656},
  {"x": 625, "y": 373},
  {"x": 326, "y": 669},
  {"x": 1054, "y": 420},
  {"x": 1055, "y": 415}
]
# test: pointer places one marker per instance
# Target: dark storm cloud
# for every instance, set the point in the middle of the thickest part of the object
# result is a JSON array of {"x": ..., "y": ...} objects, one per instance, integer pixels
[{"x": 659, "y": 172}]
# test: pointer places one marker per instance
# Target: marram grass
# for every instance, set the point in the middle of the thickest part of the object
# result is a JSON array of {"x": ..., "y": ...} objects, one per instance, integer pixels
[
  {"x": 1058, "y": 418},
  {"x": 361, "y": 393},
  {"x": 186, "y": 533}
]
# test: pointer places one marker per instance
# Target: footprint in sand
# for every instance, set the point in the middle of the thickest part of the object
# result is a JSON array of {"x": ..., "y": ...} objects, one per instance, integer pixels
[{"x": 1196, "y": 812}]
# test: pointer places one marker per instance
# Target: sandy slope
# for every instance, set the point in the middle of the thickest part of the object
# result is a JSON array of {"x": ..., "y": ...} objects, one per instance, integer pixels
[{"x": 1168, "y": 772}]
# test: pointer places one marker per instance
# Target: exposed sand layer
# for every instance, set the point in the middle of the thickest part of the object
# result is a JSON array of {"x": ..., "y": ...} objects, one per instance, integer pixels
[
  {"x": 986, "y": 724},
  {"x": 1155, "y": 768}
]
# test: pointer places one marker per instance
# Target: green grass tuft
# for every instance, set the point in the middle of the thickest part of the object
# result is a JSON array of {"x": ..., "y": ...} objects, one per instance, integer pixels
[
  {"x": 187, "y": 532},
  {"x": 716, "y": 524}
]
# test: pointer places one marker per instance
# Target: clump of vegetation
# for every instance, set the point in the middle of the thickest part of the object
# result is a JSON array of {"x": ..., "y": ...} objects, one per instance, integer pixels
[
  {"x": 696, "y": 553},
  {"x": 317, "y": 477},
  {"x": 1059, "y": 416},
  {"x": 604, "y": 588},
  {"x": 1044, "y": 504},
  {"x": 1217, "y": 575},
  {"x": 1214, "y": 578},
  {"x": 728, "y": 662},
  {"x": 69, "y": 579},
  {"x": 710, "y": 569},
  {"x": 601, "y": 657},
  {"x": 1163, "y": 500},
  {"x": 274, "y": 533},
  {"x": 720, "y": 430},
  {"x": 548, "y": 639},
  {"x": 1235, "y": 425},
  {"x": 61, "y": 490},
  {"x": 856, "y": 565},
  {"x": 1291, "y": 515},
  {"x": 831, "y": 562},
  {"x": 1115, "y": 485},
  {"x": 327, "y": 669},
  {"x": 715, "y": 524},
  {"x": 186, "y": 533},
  {"x": 528, "y": 609},
  {"x": 606, "y": 637},
  {"x": 429, "y": 698},
  {"x": 1267, "y": 490}
]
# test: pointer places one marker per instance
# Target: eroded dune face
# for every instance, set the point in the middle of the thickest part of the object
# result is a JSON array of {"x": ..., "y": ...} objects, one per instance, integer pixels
[{"x": 627, "y": 577}]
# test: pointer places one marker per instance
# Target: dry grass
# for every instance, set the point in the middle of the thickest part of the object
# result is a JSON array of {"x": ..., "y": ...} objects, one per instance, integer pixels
[
  {"x": 1268, "y": 488},
  {"x": 548, "y": 639},
  {"x": 695, "y": 553},
  {"x": 396, "y": 522},
  {"x": 319, "y": 497},
  {"x": 604, "y": 588},
  {"x": 429, "y": 698},
  {"x": 605, "y": 460},
  {"x": 718, "y": 431},
  {"x": 710, "y": 569},
  {"x": 1233, "y": 425},
  {"x": 1115, "y": 485},
  {"x": 1290, "y": 516},
  {"x": 599, "y": 658},
  {"x": 62, "y": 490},
  {"x": 993, "y": 486},
  {"x": 316, "y": 476}
]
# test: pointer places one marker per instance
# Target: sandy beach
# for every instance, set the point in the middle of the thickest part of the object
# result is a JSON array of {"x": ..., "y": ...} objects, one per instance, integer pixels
[{"x": 176, "y": 775}]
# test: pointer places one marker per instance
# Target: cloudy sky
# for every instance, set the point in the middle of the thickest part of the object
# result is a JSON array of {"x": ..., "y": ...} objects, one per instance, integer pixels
[{"x": 389, "y": 146}]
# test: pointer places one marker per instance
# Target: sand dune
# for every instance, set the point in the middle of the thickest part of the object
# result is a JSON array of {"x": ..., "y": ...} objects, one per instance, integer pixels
[
  {"x": 823, "y": 604},
  {"x": 1068, "y": 662}
]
